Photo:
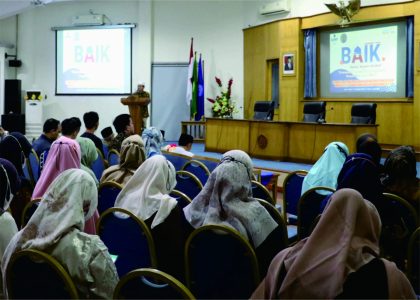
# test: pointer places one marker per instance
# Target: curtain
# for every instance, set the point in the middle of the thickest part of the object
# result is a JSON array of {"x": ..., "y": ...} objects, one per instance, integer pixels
[
  {"x": 310, "y": 63},
  {"x": 410, "y": 59}
]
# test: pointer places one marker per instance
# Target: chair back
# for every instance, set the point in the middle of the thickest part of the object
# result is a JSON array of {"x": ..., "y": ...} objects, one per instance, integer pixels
[
  {"x": 264, "y": 110},
  {"x": 363, "y": 113},
  {"x": 276, "y": 215},
  {"x": 292, "y": 188},
  {"x": 28, "y": 211},
  {"x": 182, "y": 199},
  {"x": 188, "y": 184},
  {"x": 399, "y": 221},
  {"x": 147, "y": 283},
  {"x": 261, "y": 192},
  {"x": 107, "y": 194},
  {"x": 113, "y": 157},
  {"x": 33, "y": 165},
  {"x": 314, "y": 111},
  {"x": 178, "y": 160},
  {"x": 99, "y": 165},
  {"x": 127, "y": 237},
  {"x": 210, "y": 163},
  {"x": 414, "y": 260},
  {"x": 32, "y": 274},
  {"x": 220, "y": 264},
  {"x": 309, "y": 207},
  {"x": 106, "y": 149},
  {"x": 198, "y": 169}
]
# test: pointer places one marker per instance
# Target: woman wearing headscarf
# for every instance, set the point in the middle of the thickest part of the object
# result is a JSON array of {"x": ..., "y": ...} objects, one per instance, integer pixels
[
  {"x": 325, "y": 171},
  {"x": 153, "y": 141},
  {"x": 89, "y": 155},
  {"x": 339, "y": 260},
  {"x": 56, "y": 228},
  {"x": 132, "y": 156},
  {"x": 9, "y": 185},
  {"x": 226, "y": 199},
  {"x": 15, "y": 148},
  {"x": 64, "y": 154},
  {"x": 400, "y": 176},
  {"x": 146, "y": 195}
]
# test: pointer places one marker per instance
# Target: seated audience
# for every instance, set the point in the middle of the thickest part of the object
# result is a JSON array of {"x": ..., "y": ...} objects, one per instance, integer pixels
[
  {"x": 339, "y": 260},
  {"x": 400, "y": 176},
  {"x": 132, "y": 156},
  {"x": 9, "y": 185},
  {"x": 146, "y": 195},
  {"x": 107, "y": 135},
  {"x": 91, "y": 120},
  {"x": 325, "y": 171},
  {"x": 56, "y": 228},
  {"x": 368, "y": 143},
  {"x": 70, "y": 127},
  {"x": 124, "y": 126},
  {"x": 51, "y": 130},
  {"x": 226, "y": 199},
  {"x": 88, "y": 155},
  {"x": 153, "y": 141},
  {"x": 184, "y": 145}
]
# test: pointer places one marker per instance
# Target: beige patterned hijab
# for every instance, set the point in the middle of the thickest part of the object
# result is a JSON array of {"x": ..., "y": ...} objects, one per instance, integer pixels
[
  {"x": 147, "y": 191},
  {"x": 226, "y": 199},
  {"x": 131, "y": 157},
  {"x": 69, "y": 201}
]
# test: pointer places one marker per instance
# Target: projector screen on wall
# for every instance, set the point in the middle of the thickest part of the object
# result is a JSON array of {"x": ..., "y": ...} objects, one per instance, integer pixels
[
  {"x": 93, "y": 60},
  {"x": 364, "y": 61}
]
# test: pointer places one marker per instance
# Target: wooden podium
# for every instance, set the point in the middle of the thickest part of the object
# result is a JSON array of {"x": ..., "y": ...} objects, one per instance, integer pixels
[{"x": 136, "y": 107}]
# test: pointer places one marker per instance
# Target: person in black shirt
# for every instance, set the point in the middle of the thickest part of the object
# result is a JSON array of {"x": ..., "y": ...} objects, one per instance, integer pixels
[{"x": 91, "y": 120}]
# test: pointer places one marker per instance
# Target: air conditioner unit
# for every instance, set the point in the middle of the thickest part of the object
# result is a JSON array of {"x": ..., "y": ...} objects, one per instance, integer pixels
[
  {"x": 277, "y": 7},
  {"x": 88, "y": 20}
]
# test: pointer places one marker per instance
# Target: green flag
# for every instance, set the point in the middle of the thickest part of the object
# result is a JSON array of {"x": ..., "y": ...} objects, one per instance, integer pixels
[{"x": 193, "y": 106}]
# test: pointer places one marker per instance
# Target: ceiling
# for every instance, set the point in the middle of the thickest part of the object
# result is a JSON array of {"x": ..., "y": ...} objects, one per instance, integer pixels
[{"x": 13, "y": 7}]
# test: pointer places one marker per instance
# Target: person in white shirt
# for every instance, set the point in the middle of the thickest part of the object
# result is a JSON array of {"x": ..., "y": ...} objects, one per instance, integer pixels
[{"x": 184, "y": 145}]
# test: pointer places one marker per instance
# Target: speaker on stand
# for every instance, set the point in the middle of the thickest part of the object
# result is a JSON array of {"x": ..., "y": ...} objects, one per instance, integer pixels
[{"x": 13, "y": 119}]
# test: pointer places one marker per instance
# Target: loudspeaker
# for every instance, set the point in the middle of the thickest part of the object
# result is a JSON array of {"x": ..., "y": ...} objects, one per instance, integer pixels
[
  {"x": 13, "y": 122},
  {"x": 16, "y": 63},
  {"x": 12, "y": 96}
]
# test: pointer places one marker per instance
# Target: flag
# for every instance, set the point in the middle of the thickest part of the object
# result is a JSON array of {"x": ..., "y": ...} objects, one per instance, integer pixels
[
  {"x": 193, "y": 106},
  {"x": 190, "y": 75},
  {"x": 200, "y": 92}
]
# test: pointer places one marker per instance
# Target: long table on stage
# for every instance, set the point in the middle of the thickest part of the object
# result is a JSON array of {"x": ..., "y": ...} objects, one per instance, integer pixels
[{"x": 295, "y": 141}]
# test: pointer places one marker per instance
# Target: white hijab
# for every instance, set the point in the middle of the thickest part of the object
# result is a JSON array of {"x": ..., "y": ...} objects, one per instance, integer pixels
[
  {"x": 60, "y": 211},
  {"x": 147, "y": 190},
  {"x": 226, "y": 199},
  {"x": 325, "y": 171}
]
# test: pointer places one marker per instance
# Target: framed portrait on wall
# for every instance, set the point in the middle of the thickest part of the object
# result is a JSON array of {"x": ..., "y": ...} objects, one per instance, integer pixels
[{"x": 289, "y": 64}]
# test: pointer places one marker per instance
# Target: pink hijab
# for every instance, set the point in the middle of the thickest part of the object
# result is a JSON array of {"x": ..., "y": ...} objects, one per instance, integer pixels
[
  {"x": 346, "y": 238},
  {"x": 64, "y": 154}
]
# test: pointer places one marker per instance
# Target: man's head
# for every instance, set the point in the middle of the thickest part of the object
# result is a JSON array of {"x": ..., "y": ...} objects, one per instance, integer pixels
[
  {"x": 52, "y": 128},
  {"x": 140, "y": 87},
  {"x": 107, "y": 134},
  {"x": 368, "y": 143},
  {"x": 124, "y": 124},
  {"x": 91, "y": 120},
  {"x": 186, "y": 141},
  {"x": 70, "y": 127}
]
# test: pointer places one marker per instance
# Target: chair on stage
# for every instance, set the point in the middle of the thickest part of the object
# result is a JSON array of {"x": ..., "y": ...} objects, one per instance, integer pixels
[
  {"x": 182, "y": 199},
  {"x": 107, "y": 194},
  {"x": 32, "y": 274},
  {"x": 113, "y": 157},
  {"x": 314, "y": 111},
  {"x": 127, "y": 237},
  {"x": 188, "y": 184},
  {"x": 220, "y": 264},
  {"x": 309, "y": 207},
  {"x": 198, "y": 169},
  {"x": 264, "y": 110},
  {"x": 363, "y": 113},
  {"x": 99, "y": 165},
  {"x": 149, "y": 283}
]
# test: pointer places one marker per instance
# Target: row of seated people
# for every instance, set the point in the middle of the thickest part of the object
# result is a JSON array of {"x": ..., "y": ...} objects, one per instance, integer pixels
[{"x": 229, "y": 159}]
